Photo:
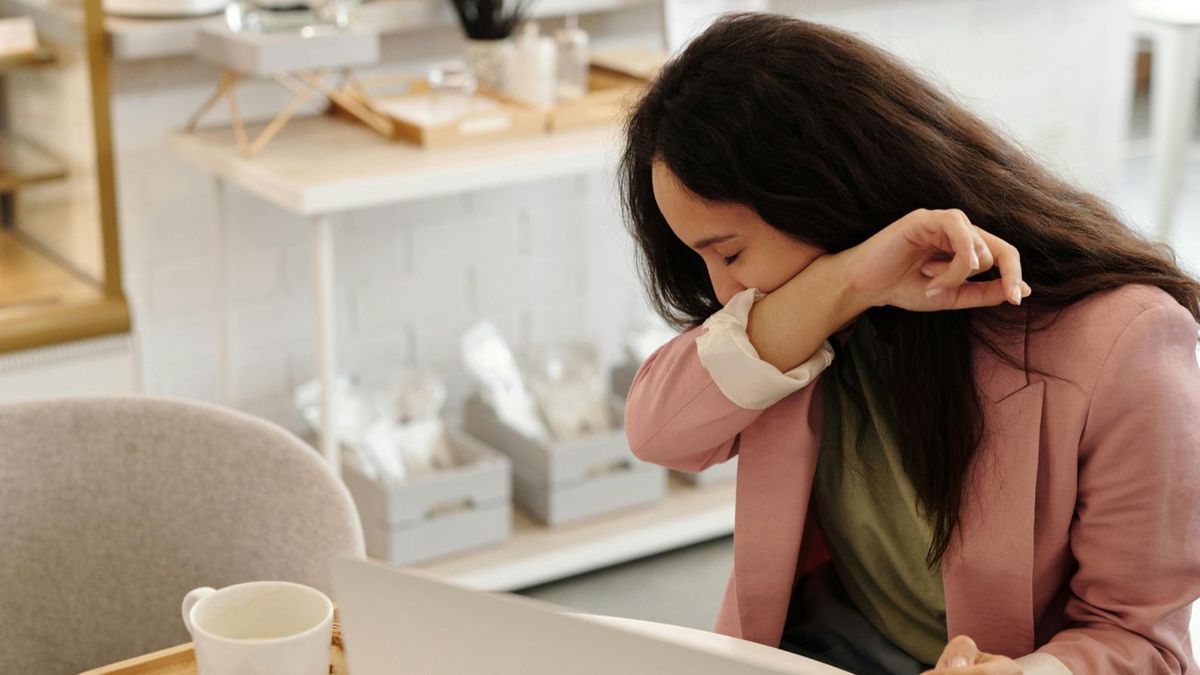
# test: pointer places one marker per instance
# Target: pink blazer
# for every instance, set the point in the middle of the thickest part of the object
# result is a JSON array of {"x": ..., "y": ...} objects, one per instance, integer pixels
[{"x": 1080, "y": 534}]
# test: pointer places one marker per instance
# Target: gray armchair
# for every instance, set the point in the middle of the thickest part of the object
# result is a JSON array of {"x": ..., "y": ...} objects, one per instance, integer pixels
[{"x": 111, "y": 509}]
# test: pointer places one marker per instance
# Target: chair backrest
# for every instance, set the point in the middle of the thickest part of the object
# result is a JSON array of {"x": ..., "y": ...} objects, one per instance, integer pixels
[{"x": 111, "y": 509}]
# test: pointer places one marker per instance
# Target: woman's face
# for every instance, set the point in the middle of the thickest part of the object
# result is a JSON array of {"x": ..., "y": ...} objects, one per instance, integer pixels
[{"x": 739, "y": 248}]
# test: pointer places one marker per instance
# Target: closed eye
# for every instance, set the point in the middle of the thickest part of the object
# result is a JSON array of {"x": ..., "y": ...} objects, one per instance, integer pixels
[{"x": 730, "y": 258}]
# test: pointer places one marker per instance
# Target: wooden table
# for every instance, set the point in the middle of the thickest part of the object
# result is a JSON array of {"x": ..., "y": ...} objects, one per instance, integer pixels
[{"x": 181, "y": 660}]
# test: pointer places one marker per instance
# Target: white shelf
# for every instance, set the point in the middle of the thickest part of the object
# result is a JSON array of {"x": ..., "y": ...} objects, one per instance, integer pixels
[
  {"x": 321, "y": 165},
  {"x": 135, "y": 39},
  {"x": 536, "y": 554}
]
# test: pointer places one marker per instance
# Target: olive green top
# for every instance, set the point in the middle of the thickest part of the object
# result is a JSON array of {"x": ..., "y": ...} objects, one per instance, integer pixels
[{"x": 867, "y": 508}]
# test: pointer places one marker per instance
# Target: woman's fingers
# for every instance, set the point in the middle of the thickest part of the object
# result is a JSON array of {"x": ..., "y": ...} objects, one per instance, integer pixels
[
  {"x": 959, "y": 653},
  {"x": 1008, "y": 259},
  {"x": 981, "y": 294},
  {"x": 958, "y": 231},
  {"x": 986, "y": 260},
  {"x": 982, "y": 669},
  {"x": 975, "y": 293},
  {"x": 986, "y": 664},
  {"x": 955, "y": 250},
  {"x": 1009, "y": 288}
]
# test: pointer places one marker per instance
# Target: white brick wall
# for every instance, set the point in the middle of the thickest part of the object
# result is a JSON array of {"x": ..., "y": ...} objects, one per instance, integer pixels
[{"x": 547, "y": 261}]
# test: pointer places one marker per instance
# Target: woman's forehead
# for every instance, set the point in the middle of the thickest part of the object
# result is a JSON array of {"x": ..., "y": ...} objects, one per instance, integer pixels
[{"x": 696, "y": 221}]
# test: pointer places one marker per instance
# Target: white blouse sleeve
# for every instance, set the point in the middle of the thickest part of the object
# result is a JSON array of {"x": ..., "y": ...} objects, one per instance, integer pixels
[{"x": 744, "y": 378}]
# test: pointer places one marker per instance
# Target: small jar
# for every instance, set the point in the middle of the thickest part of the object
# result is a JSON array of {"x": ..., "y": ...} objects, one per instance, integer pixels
[
  {"x": 531, "y": 71},
  {"x": 572, "y": 44}
]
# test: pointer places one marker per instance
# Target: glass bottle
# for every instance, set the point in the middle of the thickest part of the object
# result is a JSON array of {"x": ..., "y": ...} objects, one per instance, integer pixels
[{"x": 572, "y": 45}]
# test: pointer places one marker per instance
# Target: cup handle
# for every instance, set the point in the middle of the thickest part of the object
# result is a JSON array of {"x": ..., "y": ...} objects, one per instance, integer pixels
[{"x": 189, "y": 601}]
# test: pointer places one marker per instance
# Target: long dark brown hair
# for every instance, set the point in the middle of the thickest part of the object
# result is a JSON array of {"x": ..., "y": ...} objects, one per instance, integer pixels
[{"x": 831, "y": 139}]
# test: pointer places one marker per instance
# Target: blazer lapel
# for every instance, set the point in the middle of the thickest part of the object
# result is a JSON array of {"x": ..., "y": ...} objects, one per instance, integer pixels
[
  {"x": 771, "y": 512},
  {"x": 987, "y": 572}
]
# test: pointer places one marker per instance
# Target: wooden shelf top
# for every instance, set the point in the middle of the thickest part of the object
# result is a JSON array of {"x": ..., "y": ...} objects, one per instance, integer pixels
[
  {"x": 40, "y": 56},
  {"x": 323, "y": 164}
]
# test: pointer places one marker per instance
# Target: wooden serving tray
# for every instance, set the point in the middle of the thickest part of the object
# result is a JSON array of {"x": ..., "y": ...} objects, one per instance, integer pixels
[
  {"x": 501, "y": 118},
  {"x": 178, "y": 660},
  {"x": 181, "y": 660},
  {"x": 609, "y": 94}
]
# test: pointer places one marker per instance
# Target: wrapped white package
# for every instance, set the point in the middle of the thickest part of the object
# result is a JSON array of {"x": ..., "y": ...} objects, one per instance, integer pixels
[
  {"x": 418, "y": 395},
  {"x": 352, "y": 411},
  {"x": 391, "y": 433},
  {"x": 491, "y": 363},
  {"x": 570, "y": 390},
  {"x": 419, "y": 433},
  {"x": 358, "y": 425},
  {"x": 424, "y": 446},
  {"x": 380, "y": 444}
]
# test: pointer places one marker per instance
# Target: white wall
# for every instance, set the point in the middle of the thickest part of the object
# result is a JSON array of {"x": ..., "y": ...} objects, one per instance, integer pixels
[{"x": 547, "y": 261}]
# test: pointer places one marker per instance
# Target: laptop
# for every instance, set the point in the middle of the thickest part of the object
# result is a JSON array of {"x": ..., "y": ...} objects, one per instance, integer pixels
[{"x": 408, "y": 622}]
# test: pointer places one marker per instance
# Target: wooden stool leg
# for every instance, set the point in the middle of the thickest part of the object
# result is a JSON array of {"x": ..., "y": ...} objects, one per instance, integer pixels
[
  {"x": 239, "y": 127},
  {"x": 369, "y": 117},
  {"x": 276, "y": 124},
  {"x": 226, "y": 82}
]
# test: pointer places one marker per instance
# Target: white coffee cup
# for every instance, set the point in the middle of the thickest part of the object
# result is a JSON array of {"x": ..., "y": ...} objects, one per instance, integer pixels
[{"x": 260, "y": 628}]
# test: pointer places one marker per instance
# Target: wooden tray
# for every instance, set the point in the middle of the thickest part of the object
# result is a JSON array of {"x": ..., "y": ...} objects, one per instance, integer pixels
[
  {"x": 181, "y": 660},
  {"x": 609, "y": 94},
  {"x": 502, "y": 119}
]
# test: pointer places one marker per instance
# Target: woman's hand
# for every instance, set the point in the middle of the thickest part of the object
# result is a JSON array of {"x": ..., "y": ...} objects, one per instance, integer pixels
[
  {"x": 962, "y": 657},
  {"x": 922, "y": 261}
]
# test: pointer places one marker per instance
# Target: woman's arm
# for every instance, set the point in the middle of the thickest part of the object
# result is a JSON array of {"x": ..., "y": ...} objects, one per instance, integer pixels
[
  {"x": 692, "y": 397},
  {"x": 922, "y": 263},
  {"x": 1136, "y": 535},
  {"x": 681, "y": 411},
  {"x": 821, "y": 295}
]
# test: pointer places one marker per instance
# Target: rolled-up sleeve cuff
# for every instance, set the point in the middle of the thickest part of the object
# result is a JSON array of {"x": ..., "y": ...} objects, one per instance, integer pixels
[
  {"x": 1040, "y": 663},
  {"x": 734, "y": 364}
]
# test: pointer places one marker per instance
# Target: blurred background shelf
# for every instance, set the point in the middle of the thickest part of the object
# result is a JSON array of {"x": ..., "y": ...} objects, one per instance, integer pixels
[
  {"x": 43, "y": 302},
  {"x": 360, "y": 168},
  {"x": 135, "y": 39},
  {"x": 24, "y": 163},
  {"x": 536, "y": 554},
  {"x": 42, "y": 56}
]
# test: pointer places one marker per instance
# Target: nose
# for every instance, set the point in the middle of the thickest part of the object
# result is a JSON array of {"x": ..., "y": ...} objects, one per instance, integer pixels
[{"x": 725, "y": 286}]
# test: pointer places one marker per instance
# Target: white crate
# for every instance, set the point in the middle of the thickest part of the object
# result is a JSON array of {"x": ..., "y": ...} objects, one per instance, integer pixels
[
  {"x": 561, "y": 481},
  {"x": 265, "y": 54},
  {"x": 432, "y": 516}
]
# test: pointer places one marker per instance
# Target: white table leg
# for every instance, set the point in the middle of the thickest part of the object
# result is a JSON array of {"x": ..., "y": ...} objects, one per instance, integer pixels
[
  {"x": 1173, "y": 89},
  {"x": 221, "y": 290},
  {"x": 322, "y": 252}
]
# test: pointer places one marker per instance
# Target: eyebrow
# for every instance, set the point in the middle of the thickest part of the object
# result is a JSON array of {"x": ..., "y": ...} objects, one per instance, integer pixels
[{"x": 705, "y": 243}]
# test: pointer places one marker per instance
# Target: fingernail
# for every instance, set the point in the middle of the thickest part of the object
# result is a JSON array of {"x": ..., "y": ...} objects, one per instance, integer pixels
[
  {"x": 925, "y": 271},
  {"x": 1026, "y": 288},
  {"x": 958, "y": 662},
  {"x": 1016, "y": 295},
  {"x": 934, "y": 292}
]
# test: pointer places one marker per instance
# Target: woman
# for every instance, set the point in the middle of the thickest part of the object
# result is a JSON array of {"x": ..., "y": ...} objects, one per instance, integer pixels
[{"x": 1002, "y": 450}]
